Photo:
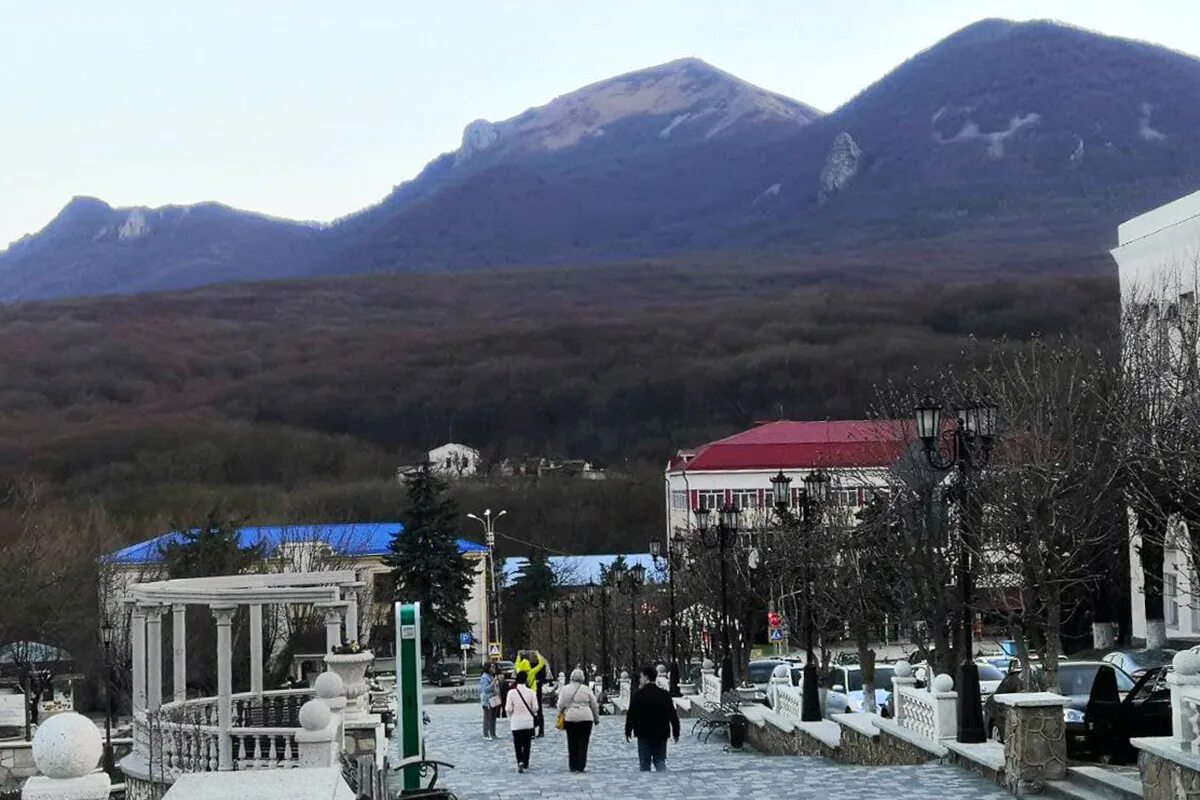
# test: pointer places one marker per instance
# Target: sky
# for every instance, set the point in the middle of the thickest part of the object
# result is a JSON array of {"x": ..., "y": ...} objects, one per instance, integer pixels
[{"x": 312, "y": 110}]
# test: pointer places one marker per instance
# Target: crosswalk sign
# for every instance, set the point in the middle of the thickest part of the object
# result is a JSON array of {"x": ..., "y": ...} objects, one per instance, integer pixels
[
  {"x": 776, "y": 635},
  {"x": 494, "y": 651}
]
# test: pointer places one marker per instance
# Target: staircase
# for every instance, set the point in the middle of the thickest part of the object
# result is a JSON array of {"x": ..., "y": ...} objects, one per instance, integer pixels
[{"x": 1096, "y": 783}]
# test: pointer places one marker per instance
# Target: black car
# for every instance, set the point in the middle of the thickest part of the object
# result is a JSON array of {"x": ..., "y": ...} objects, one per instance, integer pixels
[
  {"x": 1075, "y": 680},
  {"x": 449, "y": 673},
  {"x": 1144, "y": 711}
]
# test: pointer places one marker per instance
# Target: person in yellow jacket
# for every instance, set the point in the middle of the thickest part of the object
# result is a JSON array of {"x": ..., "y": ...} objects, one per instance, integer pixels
[{"x": 533, "y": 665}]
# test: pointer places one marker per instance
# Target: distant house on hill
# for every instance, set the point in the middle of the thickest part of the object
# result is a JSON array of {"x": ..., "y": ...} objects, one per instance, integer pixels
[
  {"x": 455, "y": 460},
  {"x": 547, "y": 467}
]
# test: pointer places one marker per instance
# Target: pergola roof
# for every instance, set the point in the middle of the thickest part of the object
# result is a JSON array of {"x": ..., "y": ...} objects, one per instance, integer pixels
[{"x": 286, "y": 587}]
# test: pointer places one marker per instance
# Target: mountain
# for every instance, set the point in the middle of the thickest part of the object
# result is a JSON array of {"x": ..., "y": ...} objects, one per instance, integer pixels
[
  {"x": 93, "y": 248},
  {"x": 1028, "y": 138}
]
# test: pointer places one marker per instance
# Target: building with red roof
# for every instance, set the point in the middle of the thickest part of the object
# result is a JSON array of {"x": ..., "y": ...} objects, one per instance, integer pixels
[{"x": 856, "y": 454}]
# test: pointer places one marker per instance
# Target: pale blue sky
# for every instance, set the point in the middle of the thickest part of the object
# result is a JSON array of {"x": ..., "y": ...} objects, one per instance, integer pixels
[{"x": 314, "y": 109}]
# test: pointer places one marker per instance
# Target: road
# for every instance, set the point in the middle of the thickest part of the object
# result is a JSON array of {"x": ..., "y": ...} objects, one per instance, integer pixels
[{"x": 487, "y": 769}]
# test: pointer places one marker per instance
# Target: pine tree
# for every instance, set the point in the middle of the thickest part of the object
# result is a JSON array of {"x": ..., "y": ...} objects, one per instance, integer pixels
[
  {"x": 427, "y": 566},
  {"x": 211, "y": 548},
  {"x": 533, "y": 585}
]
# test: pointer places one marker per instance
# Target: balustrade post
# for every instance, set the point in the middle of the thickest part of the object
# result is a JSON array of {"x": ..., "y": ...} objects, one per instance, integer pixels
[
  {"x": 901, "y": 678},
  {"x": 1035, "y": 740},
  {"x": 333, "y": 627},
  {"x": 352, "y": 615},
  {"x": 179, "y": 652},
  {"x": 945, "y": 708},
  {"x": 224, "y": 617}
]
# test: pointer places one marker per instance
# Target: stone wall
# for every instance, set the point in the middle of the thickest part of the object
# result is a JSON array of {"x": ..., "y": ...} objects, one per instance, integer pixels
[
  {"x": 1035, "y": 747},
  {"x": 1163, "y": 779},
  {"x": 771, "y": 741},
  {"x": 881, "y": 750}
]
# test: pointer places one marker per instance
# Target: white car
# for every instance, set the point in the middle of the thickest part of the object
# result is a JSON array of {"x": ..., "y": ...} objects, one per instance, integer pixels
[{"x": 845, "y": 688}]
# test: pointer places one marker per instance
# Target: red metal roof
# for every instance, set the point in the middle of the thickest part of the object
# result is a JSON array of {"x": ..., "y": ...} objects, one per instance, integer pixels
[{"x": 798, "y": 445}]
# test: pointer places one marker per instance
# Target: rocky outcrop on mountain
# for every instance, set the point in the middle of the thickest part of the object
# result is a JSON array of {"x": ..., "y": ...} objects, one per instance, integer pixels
[{"x": 841, "y": 166}]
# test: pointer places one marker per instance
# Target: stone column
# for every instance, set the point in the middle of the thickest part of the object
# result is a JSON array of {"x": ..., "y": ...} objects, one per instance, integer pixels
[
  {"x": 154, "y": 665},
  {"x": 256, "y": 648},
  {"x": 224, "y": 616},
  {"x": 333, "y": 628},
  {"x": 1035, "y": 740},
  {"x": 179, "y": 652},
  {"x": 901, "y": 679},
  {"x": 352, "y": 616},
  {"x": 137, "y": 642}
]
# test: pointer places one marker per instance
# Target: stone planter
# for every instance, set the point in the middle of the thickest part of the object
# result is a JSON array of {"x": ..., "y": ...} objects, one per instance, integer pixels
[{"x": 352, "y": 669}]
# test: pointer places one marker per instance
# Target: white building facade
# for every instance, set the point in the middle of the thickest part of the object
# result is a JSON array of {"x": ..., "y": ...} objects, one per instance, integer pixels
[
  {"x": 455, "y": 460},
  {"x": 857, "y": 455},
  {"x": 1157, "y": 257}
]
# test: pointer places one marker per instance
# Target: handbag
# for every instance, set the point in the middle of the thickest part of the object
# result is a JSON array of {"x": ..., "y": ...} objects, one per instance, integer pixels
[
  {"x": 561, "y": 722},
  {"x": 494, "y": 701}
]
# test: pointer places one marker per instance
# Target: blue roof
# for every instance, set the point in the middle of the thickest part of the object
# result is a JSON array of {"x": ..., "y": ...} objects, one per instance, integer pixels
[
  {"x": 347, "y": 538},
  {"x": 580, "y": 570}
]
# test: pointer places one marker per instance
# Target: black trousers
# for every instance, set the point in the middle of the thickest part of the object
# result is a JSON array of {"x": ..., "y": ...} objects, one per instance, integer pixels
[
  {"x": 521, "y": 742},
  {"x": 541, "y": 715},
  {"x": 578, "y": 736}
]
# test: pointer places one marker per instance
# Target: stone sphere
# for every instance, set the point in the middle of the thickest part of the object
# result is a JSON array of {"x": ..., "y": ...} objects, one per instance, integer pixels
[
  {"x": 902, "y": 669},
  {"x": 662, "y": 669},
  {"x": 1186, "y": 662},
  {"x": 782, "y": 671},
  {"x": 315, "y": 715},
  {"x": 708, "y": 664},
  {"x": 624, "y": 675},
  {"x": 329, "y": 685},
  {"x": 943, "y": 683},
  {"x": 67, "y": 745}
]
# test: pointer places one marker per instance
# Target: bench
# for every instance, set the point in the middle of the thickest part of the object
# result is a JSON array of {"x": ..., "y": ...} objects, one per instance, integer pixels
[
  {"x": 711, "y": 719},
  {"x": 428, "y": 768}
]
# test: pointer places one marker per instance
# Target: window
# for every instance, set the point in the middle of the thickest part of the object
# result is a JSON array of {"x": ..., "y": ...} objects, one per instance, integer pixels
[
  {"x": 745, "y": 498},
  {"x": 679, "y": 500},
  {"x": 1171, "y": 597},
  {"x": 712, "y": 499}
]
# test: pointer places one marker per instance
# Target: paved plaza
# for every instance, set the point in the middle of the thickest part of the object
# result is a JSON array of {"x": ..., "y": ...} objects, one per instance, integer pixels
[{"x": 487, "y": 769}]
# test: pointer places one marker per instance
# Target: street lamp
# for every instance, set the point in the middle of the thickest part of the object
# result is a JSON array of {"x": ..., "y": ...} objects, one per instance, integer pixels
[
  {"x": 106, "y": 637},
  {"x": 971, "y": 431},
  {"x": 629, "y": 582},
  {"x": 564, "y": 608},
  {"x": 489, "y": 532},
  {"x": 670, "y": 562},
  {"x": 600, "y": 597},
  {"x": 728, "y": 522}
]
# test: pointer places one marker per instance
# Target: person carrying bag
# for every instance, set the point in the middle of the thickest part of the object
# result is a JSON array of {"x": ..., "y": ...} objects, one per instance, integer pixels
[
  {"x": 578, "y": 711},
  {"x": 521, "y": 719}
]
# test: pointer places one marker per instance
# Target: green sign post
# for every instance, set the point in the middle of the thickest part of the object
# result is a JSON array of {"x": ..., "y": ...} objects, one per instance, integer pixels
[{"x": 409, "y": 711}]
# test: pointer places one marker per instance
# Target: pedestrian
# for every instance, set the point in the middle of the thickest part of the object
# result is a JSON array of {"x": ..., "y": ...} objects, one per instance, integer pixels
[
  {"x": 652, "y": 718},
  {"x": 489, "y": 698},
  {"x": 580, "y": 711},
  {"x": 521, "y": 719}
]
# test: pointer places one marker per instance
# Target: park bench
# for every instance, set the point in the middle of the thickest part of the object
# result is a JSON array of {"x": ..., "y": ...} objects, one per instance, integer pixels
[
  {"x": 428, "y": 768},
  {"x": 719, "y": 716}
]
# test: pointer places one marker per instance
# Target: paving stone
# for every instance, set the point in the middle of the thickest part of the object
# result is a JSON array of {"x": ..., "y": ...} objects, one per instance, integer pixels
[{"x": 487, "y": 769}]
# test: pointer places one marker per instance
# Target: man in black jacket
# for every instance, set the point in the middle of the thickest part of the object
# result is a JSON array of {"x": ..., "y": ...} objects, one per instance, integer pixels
[{"x": 652, "y": 718}]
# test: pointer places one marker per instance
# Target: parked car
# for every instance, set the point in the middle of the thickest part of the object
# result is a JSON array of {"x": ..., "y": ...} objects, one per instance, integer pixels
[
  {"x": 1000, "y": 663},
  {"x": 845, "y": 688},
  {"x": 1075, "y": 680},
  {"x": 758, "y": 676},
  {"x": 1137, "y": 663},
  {"x": 449, "y": 673},
  {"x": 1145, "y": 711}
]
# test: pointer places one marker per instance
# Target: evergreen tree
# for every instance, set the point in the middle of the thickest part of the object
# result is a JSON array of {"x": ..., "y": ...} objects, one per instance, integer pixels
[
  {"x": 211, "y": 548},
  {"x": 427, "y": 566}
]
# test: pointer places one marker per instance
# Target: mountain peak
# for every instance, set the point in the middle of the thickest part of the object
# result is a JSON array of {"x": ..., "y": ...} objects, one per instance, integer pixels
[{"x": 682, "y": 99}]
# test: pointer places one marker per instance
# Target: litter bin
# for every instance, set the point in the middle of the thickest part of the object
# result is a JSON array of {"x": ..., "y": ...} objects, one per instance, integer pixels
[{"x": 737, "y": 730}]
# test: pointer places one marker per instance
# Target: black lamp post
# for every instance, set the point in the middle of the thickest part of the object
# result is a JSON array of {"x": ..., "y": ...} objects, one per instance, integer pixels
[
  {"x": 600, "y": 596},
  {"x": 670, "y": 561},
  {"x": 630, "y": 582},
  {"x": 729, "y": 519},
  {"x": 564, "y": 608},
  {"x": 970, "y": 432},
  {"x": 813, "y": 498},
  {"x": 106, "y": 637}
]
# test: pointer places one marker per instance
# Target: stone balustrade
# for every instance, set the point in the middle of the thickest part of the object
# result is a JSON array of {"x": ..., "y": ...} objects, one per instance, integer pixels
[
  {"x": 789, "y": 702},
  {"x": 932, "y": 714},
  {"x": 710, "y": 685}
]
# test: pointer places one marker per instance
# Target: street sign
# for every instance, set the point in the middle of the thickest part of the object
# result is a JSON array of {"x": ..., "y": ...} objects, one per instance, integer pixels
[
  {"x": 494, "y": 651},
  {"x": 776, "y": 635},
  {"x": 464, "y": 641}
]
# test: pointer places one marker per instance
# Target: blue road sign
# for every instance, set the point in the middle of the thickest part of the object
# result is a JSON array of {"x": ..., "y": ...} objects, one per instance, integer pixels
[
  {"x": 776, "y": 635},
  {"x": 464, "y": 641}
]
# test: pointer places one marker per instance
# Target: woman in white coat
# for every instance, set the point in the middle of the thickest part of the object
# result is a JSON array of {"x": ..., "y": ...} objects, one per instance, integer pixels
[
  {"x": 577, "y": 703},
  {"x": 521, "y": 707}
]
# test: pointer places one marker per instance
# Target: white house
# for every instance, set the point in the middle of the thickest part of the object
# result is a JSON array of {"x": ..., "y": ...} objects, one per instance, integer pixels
[
  {"x": 857, "y": 455},
  {"x": 1158, "y": 254},
  {"x": 455, "y": 460}
]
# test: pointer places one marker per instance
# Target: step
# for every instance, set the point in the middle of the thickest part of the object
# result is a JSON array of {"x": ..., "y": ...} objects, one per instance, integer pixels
[{"x": 1113, "y": 784}]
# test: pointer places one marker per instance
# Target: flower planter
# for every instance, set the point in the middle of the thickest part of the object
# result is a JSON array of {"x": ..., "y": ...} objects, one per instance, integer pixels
[{"x": 352, "y": 669}]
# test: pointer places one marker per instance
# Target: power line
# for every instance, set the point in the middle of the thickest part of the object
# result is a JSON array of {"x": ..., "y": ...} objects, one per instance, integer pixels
[{"x": 538, "y": 546}]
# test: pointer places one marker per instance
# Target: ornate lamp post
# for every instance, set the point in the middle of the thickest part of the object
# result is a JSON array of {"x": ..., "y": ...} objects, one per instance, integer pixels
[
  {"x": 601, "y": 596},
  {"x": 564, "y": 608},
  {"x": 970, "y": 432},
  {"x": 813, "y": 498},
  {"x": 489, "y": 532},
  {"x": 670, "y": 562},
  {"x": 106, "y": 637},
  {"x": 630, "y": 582},
  {"x": 729, "y": 519}
]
